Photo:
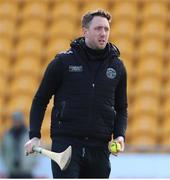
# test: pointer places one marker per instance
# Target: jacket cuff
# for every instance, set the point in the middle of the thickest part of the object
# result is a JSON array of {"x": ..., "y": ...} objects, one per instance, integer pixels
[
  {"x": 118, "y": 135},
  {"x": 34, "y": 134}
]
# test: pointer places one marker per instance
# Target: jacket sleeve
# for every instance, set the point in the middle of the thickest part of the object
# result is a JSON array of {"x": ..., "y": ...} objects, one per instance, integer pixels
[
  {"x": 121, "y": 104},
  {"x": 48, "y": 87}
]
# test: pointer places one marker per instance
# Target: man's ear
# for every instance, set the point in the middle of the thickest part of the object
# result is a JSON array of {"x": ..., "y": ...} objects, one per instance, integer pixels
[{"x": 85, "y": 31}]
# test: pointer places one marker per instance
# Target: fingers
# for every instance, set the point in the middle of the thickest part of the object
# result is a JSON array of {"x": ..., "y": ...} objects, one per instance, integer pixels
[
  {"x": 28, "y": 147},
  {"x": 30, "y": 144},
  {"x": 120, "y": 140}
]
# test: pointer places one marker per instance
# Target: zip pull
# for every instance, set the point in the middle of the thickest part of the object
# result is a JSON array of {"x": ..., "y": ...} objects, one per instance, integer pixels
[
  {"x": 93, "y": 85},
  {"x": 83, "y": 151}
]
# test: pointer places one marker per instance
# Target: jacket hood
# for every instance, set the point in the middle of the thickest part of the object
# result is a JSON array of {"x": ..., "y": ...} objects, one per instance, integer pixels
[{"x": 78, "y": 44}]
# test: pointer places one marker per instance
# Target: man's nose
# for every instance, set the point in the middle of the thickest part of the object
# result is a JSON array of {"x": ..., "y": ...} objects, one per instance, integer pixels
[{"x": 103, "y": 32}]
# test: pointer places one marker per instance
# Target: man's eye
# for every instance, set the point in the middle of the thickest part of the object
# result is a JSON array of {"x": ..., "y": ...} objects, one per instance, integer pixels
[
  {"x": 106, "y": 29},
  {"x": 98, "y": 28}
]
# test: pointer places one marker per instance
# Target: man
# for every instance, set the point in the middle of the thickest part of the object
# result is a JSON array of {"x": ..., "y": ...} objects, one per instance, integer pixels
[
  {"x": 17, "y": 165},
  {"x": 90, "y": 101}
]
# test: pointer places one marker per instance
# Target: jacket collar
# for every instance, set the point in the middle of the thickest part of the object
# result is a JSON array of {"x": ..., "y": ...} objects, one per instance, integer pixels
[{"x": 79, "y": 43}]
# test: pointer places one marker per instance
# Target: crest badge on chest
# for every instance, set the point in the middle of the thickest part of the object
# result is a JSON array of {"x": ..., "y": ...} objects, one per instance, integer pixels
[{"x": 110, "y": 73}]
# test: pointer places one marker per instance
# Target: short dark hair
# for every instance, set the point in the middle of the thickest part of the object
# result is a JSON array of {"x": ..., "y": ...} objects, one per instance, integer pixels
[{"x": 87, "y": 18}]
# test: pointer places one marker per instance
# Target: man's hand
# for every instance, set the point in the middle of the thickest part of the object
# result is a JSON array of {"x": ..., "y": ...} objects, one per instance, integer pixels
[
  {"x": 30, "y": 144},
  {"x": 120, "y": 140}
]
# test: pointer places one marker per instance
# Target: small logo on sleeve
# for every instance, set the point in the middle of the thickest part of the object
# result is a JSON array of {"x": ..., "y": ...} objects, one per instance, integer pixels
[
  {"x": 111, "y": 73},
  {"x": 75, "y": 68}
]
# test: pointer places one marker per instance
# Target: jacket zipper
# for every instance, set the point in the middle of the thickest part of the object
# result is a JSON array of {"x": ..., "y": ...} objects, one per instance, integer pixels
[{"x": 92, "y": 104}]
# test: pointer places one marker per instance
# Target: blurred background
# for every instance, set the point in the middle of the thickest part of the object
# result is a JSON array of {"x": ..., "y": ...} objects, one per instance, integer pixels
[{"x": 32, "y": 32}]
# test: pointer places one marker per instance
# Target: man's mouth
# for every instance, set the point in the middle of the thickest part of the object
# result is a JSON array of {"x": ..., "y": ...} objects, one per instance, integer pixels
[{"x": 102, "y": 41}]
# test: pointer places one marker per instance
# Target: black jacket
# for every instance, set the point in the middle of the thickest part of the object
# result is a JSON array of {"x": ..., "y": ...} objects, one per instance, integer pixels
[{"x": 84, "y": 104}]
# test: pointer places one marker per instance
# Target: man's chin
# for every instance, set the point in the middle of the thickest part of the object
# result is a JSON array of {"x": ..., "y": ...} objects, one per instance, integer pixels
[{"x": 101, "y": 46}]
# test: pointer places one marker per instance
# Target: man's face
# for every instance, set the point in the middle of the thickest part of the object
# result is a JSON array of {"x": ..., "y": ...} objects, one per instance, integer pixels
[{"x": 97, "y": 34}]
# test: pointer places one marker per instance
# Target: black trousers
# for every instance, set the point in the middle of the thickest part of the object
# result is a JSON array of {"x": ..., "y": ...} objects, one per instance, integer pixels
[
  {"x": 20, "y": 175},
  {"x": 86, "y": 162}
]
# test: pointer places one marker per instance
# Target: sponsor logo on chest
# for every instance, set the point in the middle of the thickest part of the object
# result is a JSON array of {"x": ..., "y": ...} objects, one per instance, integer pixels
[{"x": 75, "y": 68}]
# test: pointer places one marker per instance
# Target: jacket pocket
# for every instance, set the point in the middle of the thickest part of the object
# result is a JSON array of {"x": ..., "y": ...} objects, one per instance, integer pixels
[
  {"x": 108, "y": 115},
  {"x": 63, "y": 105},
  {"x": 60, "y": 112},
  {"x": 109, "y": 112}
]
